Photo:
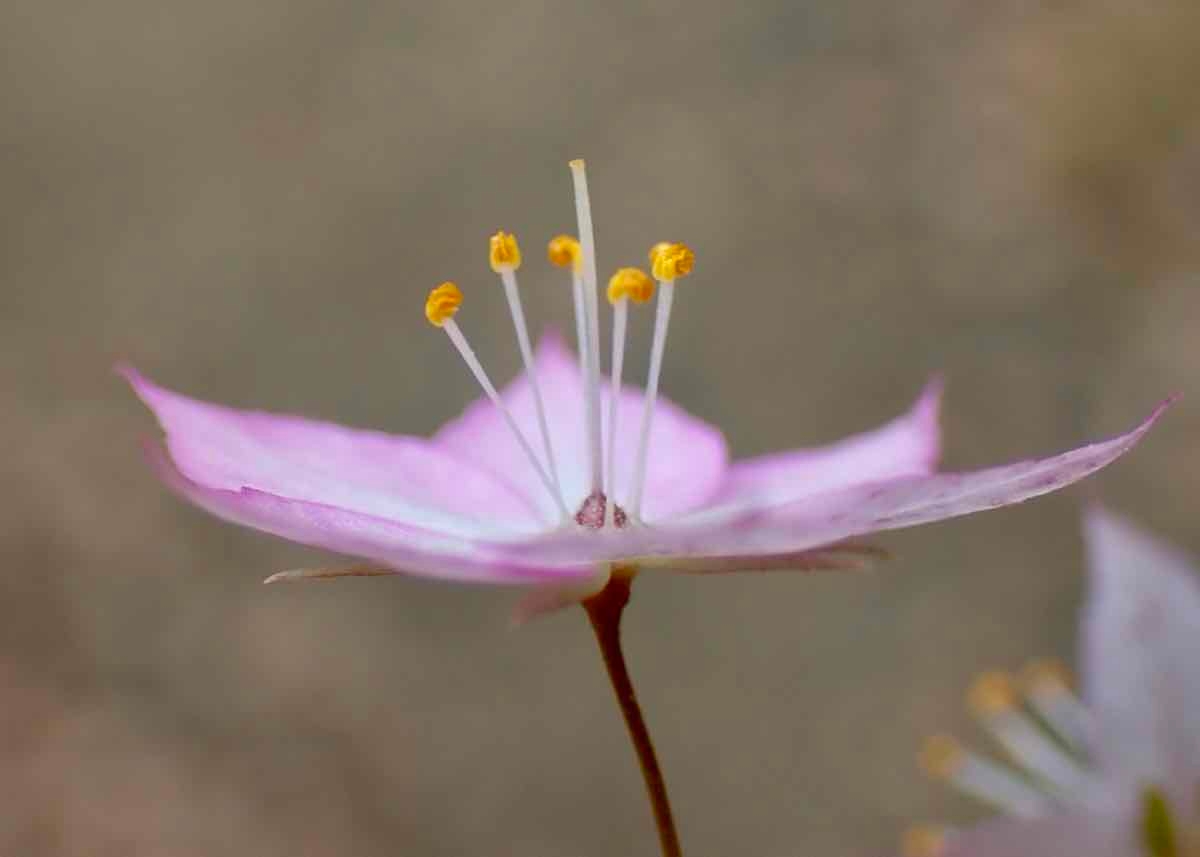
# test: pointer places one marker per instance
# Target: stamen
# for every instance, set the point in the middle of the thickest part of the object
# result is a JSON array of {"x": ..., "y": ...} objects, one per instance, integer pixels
[
  {"x": 944, "y": 758},
  {"x": 923, "y": 841},
  {"x": 566, "y": 255},
  {"x": 563, "y": 251},
  {"x": 992, "y": 698},
  {"x": 587, "y": 239},
  {"x": 440, "y": 307},
  {"x": 505, "y": 258},
  {"x": 1048, "y": 689},
  {"x": 625, "y": 285},
  {"x": 668, "y": 262}
]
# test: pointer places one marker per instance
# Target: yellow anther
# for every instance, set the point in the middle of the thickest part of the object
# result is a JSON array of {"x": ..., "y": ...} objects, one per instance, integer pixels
[
  {"x": 923, "y": 841},
  {"x": 942, "y": 756},
  {"x": 992, "y": 693},
  {"x": 632, "y": 283},
  {"x": 442, "y": 303},
  {"x": 563, "y": 251},
  {"x": 505, "y": 255},
  {"x": 670, "y": 261},
  {"x": 1045, "y": 676}
]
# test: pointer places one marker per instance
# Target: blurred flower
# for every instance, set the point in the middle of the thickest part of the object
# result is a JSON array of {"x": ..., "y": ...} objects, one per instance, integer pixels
[
  {"x": 479, "y": 502},
  {"x": 1117, "y": 775}
]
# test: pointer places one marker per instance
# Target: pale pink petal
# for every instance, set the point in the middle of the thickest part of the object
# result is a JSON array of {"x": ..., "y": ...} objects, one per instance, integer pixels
[
  {"x": 1140, "y": 644},
  {"x": 1069, "y": 835},
  {"x": 550, "y": 598},
  {"x": 398, "y": 545},
  {"x": 907, "y": 446},
  {"x": 750, "y": 531},
  {"x": 844, "y": 556},
  {"x": 848, "y": 556},
  {"x": 384, "y": 476},
  {"x": 687, "y": 457}
]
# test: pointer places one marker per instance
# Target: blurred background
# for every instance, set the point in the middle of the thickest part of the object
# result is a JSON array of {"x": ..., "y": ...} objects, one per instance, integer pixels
[{"x": 250, "y": 200}]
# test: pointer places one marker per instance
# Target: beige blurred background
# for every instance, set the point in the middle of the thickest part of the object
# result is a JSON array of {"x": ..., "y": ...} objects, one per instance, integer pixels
[{"x": 249, "y": 201}]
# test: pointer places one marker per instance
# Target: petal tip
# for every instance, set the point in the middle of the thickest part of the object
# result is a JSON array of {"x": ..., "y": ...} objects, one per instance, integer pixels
[
  {"x": 145, "y": 389},
  {"x": 129, "y": 373},
  {"x": 124, "y": 369},
  {"x": 1099, "y": 520},
  {"x": 552, "y": 351},
  {"x": 927, "y": 414},
  {"x": 1138, "y": 431},
  {"x": 552, "y": 340}
]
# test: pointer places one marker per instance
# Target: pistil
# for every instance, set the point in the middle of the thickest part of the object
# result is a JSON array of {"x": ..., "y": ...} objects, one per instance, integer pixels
[{"x": 587, "y": 241}]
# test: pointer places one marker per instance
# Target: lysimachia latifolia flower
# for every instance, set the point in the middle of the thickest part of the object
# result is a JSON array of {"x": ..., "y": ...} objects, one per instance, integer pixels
[
  {"x": 566, "y": 476},
  {"x": 1118, "y": 773}
]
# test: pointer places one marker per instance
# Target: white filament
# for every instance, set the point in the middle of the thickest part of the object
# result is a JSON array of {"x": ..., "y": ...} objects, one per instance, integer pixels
[
  {"x": 460, "y": 342},
  {"x": 581, "y": 334},
  {"x": 1029, "y": 745},
  {"x": 1001, "y": 788},
  {"x": 1064, "y": 713},
  {"x": 662, "y": 318},
  {"x": 620, "y": 314},
  {"x": 509, "y": 277},
  {"x": 587, "y": 243}
]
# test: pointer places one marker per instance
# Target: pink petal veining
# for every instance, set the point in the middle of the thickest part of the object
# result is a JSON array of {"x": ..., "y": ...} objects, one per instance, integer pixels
[{"x": 749, "y": 530}]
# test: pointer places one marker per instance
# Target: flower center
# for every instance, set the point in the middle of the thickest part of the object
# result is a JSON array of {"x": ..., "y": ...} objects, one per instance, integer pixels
[
  {"x": 593, "y": 513},
  {"x": 669, "y": 262}
]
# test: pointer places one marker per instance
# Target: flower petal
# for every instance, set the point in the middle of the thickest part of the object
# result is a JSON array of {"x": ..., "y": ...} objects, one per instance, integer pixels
[
  {"x": 1139, "y": 641},
  {"x": 687, "y": 457},
  {"x": 550, "y": 598},
  {"x": 396, "y": 544},
  {"x": 385, "y": 476},
  {"x": 843, "y": 556},
  {"x": 1069, "y": 835},
  {"x": 750, "y": 531},
  {"x": 907, "y": 446}
]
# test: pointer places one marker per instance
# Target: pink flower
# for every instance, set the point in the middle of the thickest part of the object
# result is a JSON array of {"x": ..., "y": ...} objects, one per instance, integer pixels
[
  {"x": 529, "y": 487},
  {"x": 1118, "y": 774}
]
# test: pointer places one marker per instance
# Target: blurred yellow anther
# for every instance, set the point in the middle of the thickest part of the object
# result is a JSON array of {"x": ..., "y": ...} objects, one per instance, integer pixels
[
  {"x": 632, "y": 283},
  {"x": 563, "y": 251},
  {"x": 670, "y": 261},
  {"x": 505, "y": 255},
  {"x": 992, "y": 693},
  {"x": 942, "y": 756},
  {"x": 923, "y": 842},
  {"x": 442, "y": 303},
  {"x": 1045, "y": 676}
]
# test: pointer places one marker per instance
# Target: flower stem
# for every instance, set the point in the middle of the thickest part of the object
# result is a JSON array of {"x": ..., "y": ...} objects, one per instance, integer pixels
[{"x": 604, "y": 609}]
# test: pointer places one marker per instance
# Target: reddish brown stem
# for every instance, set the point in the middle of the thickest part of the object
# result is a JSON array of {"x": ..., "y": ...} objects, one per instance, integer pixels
[{"x": 604, "y": 609}]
